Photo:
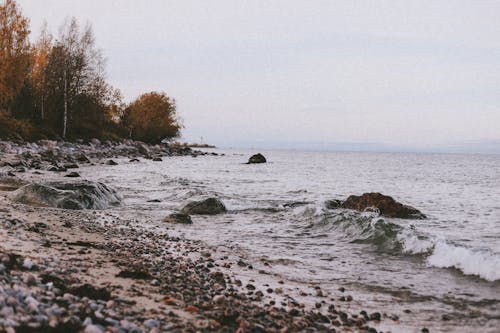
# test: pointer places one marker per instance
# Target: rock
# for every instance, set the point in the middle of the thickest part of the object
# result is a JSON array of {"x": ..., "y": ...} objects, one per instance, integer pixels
[
  {"x": 87, "y": 290},
  {"x": 132, "y": 160},
  {"x": 208, "y": 206},
  {"x": 179, "y": 218},
  {"x": 111, "y": 162},
  {"x": 71, "y": 166},
  {"x": 83, "y": 158},
  {"x": 72, "y": 174},
  {"x": 157, "y": 159},
  {"x": 81, "y": 194},
  {"x": 297, "y": 204},
  {"x": 386, "y": 205},
  {"x": 142, "y": 148},
  {"x": 333, "y": 204},
  {"x": 94, "y": 329},
  {"x": 257, "y": 158}
]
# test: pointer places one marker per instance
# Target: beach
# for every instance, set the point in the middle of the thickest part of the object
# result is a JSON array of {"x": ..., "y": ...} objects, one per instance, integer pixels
[
  {"x": 117, "y": 266},
  {"x": 92, "y": 271}
]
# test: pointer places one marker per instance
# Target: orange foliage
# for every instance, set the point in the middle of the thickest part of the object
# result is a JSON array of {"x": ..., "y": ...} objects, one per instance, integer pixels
[
  {"x": 14, "y": 52},
  {"x": 152, "y": 117}
]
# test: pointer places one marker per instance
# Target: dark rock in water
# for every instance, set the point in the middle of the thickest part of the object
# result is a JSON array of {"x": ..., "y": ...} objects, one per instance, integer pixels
[
  {"x": 81, "y": 194},
  {"x": 71, "y": 166},
  {"x": 111, "y": 162},
  {"x": 386, "y": 205},
  {"x": 333, "y": 204},
  {"x": 57, "y": 168},
  {"x": 157, "y": 159},
  {"x": 154, "y": 200},
  {"x": 72, "y": 174},
  {"x": 296, "y": 204},
  {"x": 134, "y": 160},
  {"x": 257, "y": 158},
  {"x": 179, "y": 218},
  {"x": 208, "y": 206}
]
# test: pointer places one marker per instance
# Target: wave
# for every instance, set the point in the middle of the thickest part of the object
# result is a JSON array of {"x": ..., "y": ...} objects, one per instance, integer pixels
[{"x": 389, "y": 237}]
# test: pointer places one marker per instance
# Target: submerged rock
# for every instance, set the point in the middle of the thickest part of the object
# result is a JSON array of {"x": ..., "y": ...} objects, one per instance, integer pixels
[
  {"x": 179, "y": 218},
  {"x": 257, "y": 158},
  {"x": 208, "y": 206},
  {"x": 386, "y": 206},
  {"x": 68, "y": 195}
]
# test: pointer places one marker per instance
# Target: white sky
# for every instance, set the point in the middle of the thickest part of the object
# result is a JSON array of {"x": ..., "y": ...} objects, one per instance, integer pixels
[{"x": 403, "y": 73}]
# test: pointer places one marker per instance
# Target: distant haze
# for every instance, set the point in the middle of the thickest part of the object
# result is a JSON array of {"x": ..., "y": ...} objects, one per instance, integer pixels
[{"x": 360, "y": 75}]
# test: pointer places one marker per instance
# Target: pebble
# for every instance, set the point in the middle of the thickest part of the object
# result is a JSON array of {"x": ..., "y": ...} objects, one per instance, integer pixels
[
  {"x": 27, "y": 263},
  {"x": 93, "y": 329}
]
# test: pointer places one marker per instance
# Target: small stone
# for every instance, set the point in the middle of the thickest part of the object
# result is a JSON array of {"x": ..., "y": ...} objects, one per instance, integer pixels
[
  {"x": 27, "y": 263},
  {"x": 150, "y": 323},
  {"x": 93, "y": 329},
  {"x": 29, "y": 279}
]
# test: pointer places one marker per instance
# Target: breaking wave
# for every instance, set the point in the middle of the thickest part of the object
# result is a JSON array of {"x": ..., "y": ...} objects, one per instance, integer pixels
[{"x": 369, "y": 228}]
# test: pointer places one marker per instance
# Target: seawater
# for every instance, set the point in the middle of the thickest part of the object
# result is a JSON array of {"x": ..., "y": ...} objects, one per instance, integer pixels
[{"x": 277, "y": 212}]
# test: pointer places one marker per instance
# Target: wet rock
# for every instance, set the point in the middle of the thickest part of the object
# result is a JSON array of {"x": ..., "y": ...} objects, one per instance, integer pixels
[
  {"x": 157, "y": 159},
  {"x": 296, "y": 204},
  {"x": 386, "y": 205},
  {"x": 179, "y": 218},
  {"x": 72, "y": 175},
  {"x": 68, "y": 195},
  {"x": 71, "y": 166},
  {"x": 333, "y": 204},
  {"x": 111, "y": 162},
  {"x": 208, "y": 206},
  {"x": 257, "y": 158}
]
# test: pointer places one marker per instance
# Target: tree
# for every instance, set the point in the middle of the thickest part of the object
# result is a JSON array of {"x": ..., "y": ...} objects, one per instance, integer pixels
[
  {"x": 39, "y": 57},
  {"x": 76, "y": 79},
  {"x": 14, "y": 52},
  {"x": 152, "y": 117}
]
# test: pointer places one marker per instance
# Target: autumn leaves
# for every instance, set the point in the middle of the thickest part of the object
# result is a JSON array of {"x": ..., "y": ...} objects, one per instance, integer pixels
[{"x": 57, "y": 87}]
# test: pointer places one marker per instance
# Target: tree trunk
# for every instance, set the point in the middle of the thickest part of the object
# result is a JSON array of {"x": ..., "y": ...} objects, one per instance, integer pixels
[
  {"x": 42, "y": 111},
  {"x": 65, "y": 115}
]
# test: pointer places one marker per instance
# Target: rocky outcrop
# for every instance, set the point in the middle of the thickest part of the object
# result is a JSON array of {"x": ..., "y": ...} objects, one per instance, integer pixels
[
  {"x": 68, "y": 195},
  {"x": 257, "y": 158},
  {"x": 208, "y": 206},
  {"x": 384, "y": 204},
  {"x": 178, "y": 218}
]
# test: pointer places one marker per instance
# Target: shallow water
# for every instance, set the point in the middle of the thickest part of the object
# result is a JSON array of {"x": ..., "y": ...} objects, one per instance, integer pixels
[{"x": 451, "y": 259}]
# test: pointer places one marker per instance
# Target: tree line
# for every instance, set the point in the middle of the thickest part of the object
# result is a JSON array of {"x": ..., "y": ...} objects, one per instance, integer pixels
[{"x": 55, "y": 87}]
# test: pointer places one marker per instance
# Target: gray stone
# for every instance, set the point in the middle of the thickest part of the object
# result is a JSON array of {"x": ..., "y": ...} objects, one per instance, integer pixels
[{"x": 208, "y": 206}]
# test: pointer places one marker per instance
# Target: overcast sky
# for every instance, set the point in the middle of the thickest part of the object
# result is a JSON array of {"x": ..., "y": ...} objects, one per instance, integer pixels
[{"x": 271, "y": 73}]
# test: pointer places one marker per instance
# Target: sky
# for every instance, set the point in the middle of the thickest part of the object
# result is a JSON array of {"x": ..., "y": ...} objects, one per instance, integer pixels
[{"x": 349, "y": 75}]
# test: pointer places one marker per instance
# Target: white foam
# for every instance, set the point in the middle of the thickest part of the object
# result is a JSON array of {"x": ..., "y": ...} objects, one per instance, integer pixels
[{"x": 484, "y": 264}]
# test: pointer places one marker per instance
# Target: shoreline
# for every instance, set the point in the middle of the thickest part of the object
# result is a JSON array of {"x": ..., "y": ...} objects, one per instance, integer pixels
[{"x": 93, "y": 271}]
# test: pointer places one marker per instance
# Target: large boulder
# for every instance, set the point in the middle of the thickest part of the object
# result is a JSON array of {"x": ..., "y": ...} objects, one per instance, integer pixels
[
  {"x": 208, "y": 206},
  {"x": 257, "y": 158},
  {"x": 81, "y": 194},
  {"x": 385, "y": 204}
]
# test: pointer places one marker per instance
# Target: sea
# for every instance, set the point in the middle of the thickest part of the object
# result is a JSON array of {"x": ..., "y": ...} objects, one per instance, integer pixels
[{"x": 442, "y": 273}]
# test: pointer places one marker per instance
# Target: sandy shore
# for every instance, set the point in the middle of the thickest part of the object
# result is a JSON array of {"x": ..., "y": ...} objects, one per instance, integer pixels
[{"x": 95, "y": 271}]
